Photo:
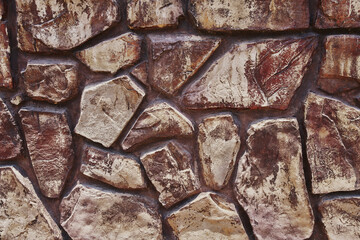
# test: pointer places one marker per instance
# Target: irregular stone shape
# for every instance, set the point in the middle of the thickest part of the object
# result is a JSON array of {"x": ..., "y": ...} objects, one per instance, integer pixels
[
  {"x": 88, "y": 213},
  {"x": 106, "y": 108},
  {"x": 112, "y": 54},
  {"x": 169, "y": 170},
  {"x": 173, "y": 59},
  {"x": 140, "y": 72},
  {"x": 49, "y": 141},
  {"x": 207, "y": 217},
  {"x": 54, "y": 81},
  {"x": 61, "y": 24},
  {"x": 17, "y": 99},
  {"x": 219, "y": 144},
  {"x": 115, "y": 169},
  {"x": 229, "y": 15},
  {"x": 270, "y": 182},
  {"x": 145, "y": 14},
  {"x": 5, "y": 71},
  {"x": 333, "y": 149},
  {"x": 341, "y": 217},
  {"x": 158, "y": 121},
  {"x": 253, "y": 75},
  {"x": 22, "y": 214}
]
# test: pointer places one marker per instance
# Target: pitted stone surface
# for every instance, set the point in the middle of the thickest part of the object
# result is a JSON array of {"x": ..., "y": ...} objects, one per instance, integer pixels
[
  {"x": 6, "y": 80},
  {"x": 140, "y": 72}
]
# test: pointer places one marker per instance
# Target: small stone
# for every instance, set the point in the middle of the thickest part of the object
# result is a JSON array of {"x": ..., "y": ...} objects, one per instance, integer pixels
[
  {"x": 207, "y": 217},
  {"x": 140, "y": 72},
  {"x": 270, "y": 183},
  {"x": 173, "y": 59},
  {"x": 5, "y": 71},
  {"x": 112, "y": 54},
  {"x": 152, "y": 14},
  {"x": 219, "y": 144},
  {"x": 17, "y": 99},
  {"x": 54, "y": 81},
  {"x": 49, "y": 141},
  {"x": 169, "y": 170},
  {"x": 22, "y": 214},
  {"x": 88, "y": 213},
  {"x": 158, "y": 121},
  {"x": 106, "y": 108},
  {"x": 114, "y": 169},
  {"x": 254, "y": 75}
]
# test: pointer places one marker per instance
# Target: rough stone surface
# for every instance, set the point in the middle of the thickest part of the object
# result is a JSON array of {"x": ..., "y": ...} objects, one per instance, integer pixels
[
  {"x": 49, "y": 141},
  {"x": 106, "y": 108},
  {"x": 2, "y": 9},
  {"x": 112, "y": 54},
  {"x": 207, "y": 217},
  {"x": 17, "y": 99},
  {"x": 270, "y": 182},
  {"x": 114, "y": 169},
  {"x": 5, "y": 71},
  {"x": 22, "y": 215},
  {"x": 169, "y": 169},
  {"x": 173, "y": 59},
  {"x": 140, "y": 72},
  {"x": 262, "y": 74},
  {"x": 147, "y": 14},
  {"x": 219, "y": 144},
  {"x": 88, "y": 213},
  {"x": 158, "y": 121}
]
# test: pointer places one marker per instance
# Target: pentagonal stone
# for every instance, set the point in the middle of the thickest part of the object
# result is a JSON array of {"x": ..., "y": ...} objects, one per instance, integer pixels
[{"x": 5, "y": 70}]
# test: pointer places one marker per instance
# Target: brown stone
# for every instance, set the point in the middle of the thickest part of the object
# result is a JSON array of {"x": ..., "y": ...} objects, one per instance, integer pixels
[
  {"x": 5, "y": 71},
  {"x": 254, "y": 75},
  {"x": 2, "y": 9},
  {"x": 169, "y": 170},
  {"x": 173, "y": 59},
  {"x": 140, "y": 72},
  {"x": 270, "y": 183},
  {"x": 49, "y": 142}
]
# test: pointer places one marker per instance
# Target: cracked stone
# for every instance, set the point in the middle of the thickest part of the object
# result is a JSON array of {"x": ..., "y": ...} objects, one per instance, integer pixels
[
  {"x": 140, "y": 72},
  {"x": 207, "y": 217},
  {"x": 169, "y": 170},
  {"x": 173, "y": 59},
  {"x": 88, "y": 213},
  {"x": 270, "y": 183},
  {"x": 49, "y": 142},
  {"x": 219, "y": 144},
  {"x": 106, "y": 108},
  {"x": 262, "y": 74},
  {"x": 5, "y": 71}
]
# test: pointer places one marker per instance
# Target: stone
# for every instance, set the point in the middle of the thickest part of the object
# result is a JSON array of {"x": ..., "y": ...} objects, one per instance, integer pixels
[
  {"x": 51, "y": 80},
  {"x": 157, "y": 121},
  {"x": 17, "y": 99},
  {"x": 106, "y": 108},
  {"x": 340, "y": 217},
  {"x": 5, "y": 70},
  {"x": 169, "y": 170},
  {"x": 152, "y": 14},
  {"x": 140, "y": 72},
  {"x": 208, "y": 217},
  {"x": 89, "y": 213},
  {"x": 62, "y": 24},
  {"x": 173, "y": 59},
  {"x": 113, "y": 54},
  {"x": 115, "y": 169},
  {"x": 49, "y": 142},
  {"x": 333, "y": 149},
  {"x": 22, "y": 214},
  {"x": 263, "y": 74},
  {"x": 219, "y": 144},
  {"x": 258, "y": 15},
  {"x": 2, "y": 9},
  {"x": 270, "y": 183}
]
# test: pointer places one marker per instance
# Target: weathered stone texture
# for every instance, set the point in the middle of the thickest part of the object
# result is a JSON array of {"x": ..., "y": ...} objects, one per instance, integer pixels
[
  {"x": 140, "y": 72},
  {"x": 6, "y": 80},
  {"x": 270, "y": 182}
]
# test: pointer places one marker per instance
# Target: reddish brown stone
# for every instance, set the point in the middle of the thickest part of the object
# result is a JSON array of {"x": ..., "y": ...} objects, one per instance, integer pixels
[
  {"x": 140, "y": 72},
  {"x": 5, "y": 71},
  {"x": 2, "y": 9}
]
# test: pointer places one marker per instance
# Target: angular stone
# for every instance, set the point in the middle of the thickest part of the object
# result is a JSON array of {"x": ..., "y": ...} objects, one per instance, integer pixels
[
  {"x": 145, "y": 14},
  {"x": 49, "y": 141},
  {"x": 333, "y": 149},
  {"x": 140, "y": 72},
  {"x": 173, "y": 59},
  {"x": 255, "y": 75},
  {"x": 88, "y": 213},
  {"x": 158, "y": 121},
  {"x": 259, "y": 15},
  {"x": 270, "y": 182},
  {"x": 61, "y": 24},
  {"x": 17, "y": 99},
  {"x": 22, "y": 214},
  {"x": 112, "y": 54},
  {"x": 106, "y": 108},
  {"x": 169, "y": 170},
  {"x": 114, "y": 169},
  {"x": 51, "y": 80},
  {"x": 219, "y": 144},
  {"x": 5, "y": 71},
  {"x": 207, "y": 217}
]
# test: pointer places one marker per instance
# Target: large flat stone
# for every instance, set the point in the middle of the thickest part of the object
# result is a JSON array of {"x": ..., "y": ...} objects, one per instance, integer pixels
[{"x": 6, "y": 80}]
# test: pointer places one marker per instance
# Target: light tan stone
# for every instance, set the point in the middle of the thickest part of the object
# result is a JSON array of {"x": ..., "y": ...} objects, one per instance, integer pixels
[{"x": 6, "y": 80}]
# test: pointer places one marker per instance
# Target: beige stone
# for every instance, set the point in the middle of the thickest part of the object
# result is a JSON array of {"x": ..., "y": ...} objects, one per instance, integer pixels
[{"x": 5, "y": 71}]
